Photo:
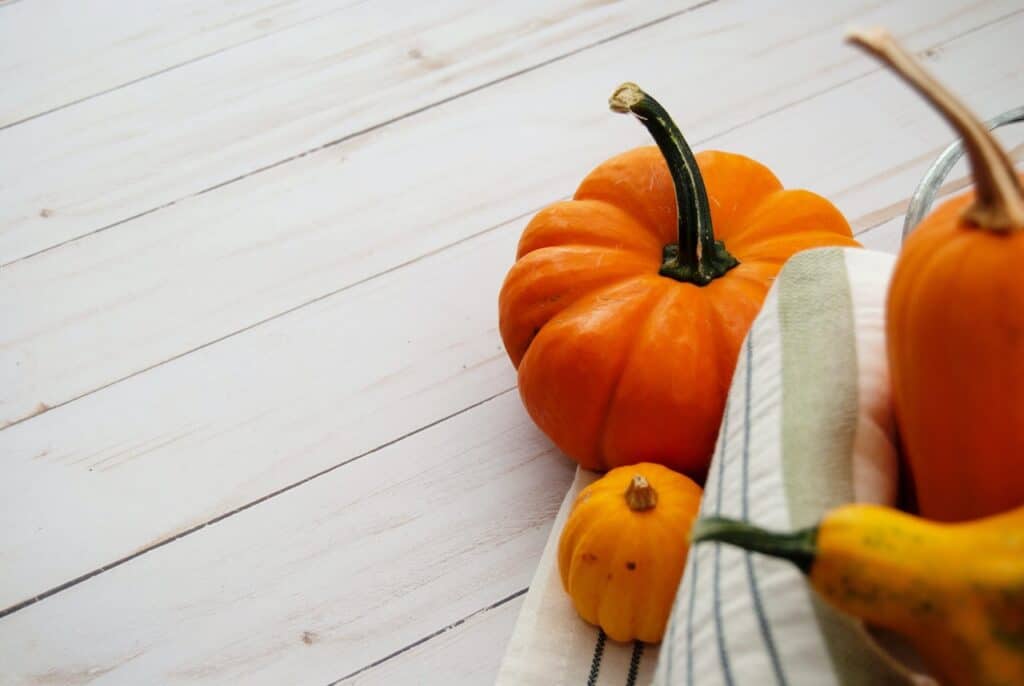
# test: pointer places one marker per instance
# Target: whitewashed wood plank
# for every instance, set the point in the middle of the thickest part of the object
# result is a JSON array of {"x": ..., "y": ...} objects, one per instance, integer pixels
[
  {"x": 54, "y": 52},
  {"x": 303, "y": 393},
  {"x": 884, "y": 237},
  {"x": 236, "y": 420},
  {"x": 907, "y": 130},
  {"x": 95, "y": 610},
  {"x": 164, "y": 138},
  {"x": 469, "y": 653},
  {"x": 214, "y": 264},
  {"x": 320, "y": 581},
  {"x": 888, "y": 235}
]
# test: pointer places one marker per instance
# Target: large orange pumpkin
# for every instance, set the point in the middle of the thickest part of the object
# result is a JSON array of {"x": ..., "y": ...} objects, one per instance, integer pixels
[
  {"x": 955, "y": 326},
  {"x": 625, "y": 316}
]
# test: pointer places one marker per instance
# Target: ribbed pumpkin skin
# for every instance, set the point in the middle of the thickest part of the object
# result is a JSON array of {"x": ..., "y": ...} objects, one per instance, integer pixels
[
  {"x": 621, "y": 567},
  {"x": 955, "y": 337},
  {"x": 618, "y": 364}
]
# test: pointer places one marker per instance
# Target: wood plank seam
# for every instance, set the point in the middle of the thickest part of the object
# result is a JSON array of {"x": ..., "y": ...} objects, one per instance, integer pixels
[
  {"x": 926, "y": 52},
  {"x": 198, "y": 340},
  {"x": 456, "y": 623},
  {"x": 318, "y": 632},
  {"x": 377, "y": 663},
  {"x": 376, "y": 127},
  {"x": 28, "y": 602},
  {"x": 886, "y": 214},
  {"x": 439, "y": 250},
  {"x": 43, "y": 408},
  {"x": 192, "y": 60}
]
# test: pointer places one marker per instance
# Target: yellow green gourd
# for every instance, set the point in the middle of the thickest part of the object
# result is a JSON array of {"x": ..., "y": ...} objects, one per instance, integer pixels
[{"x": 955, "y": 591}]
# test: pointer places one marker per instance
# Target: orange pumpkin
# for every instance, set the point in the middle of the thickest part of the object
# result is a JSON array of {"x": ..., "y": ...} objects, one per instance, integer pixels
[
  {"x": 955, "y": 326},
  {"x": 624, "y": 547},
  {"x": 624, "y": 315}
]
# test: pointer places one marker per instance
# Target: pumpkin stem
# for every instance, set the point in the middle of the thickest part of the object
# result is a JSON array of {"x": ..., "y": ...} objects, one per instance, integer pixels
[
  {"x": 999, "y": 198},
  {"x": 640, "y": 495},
  {"x": 697, "y": 258},
  {"x": 798, "y": 547}
]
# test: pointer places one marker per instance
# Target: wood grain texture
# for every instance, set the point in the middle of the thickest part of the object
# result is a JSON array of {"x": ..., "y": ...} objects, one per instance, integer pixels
[
  {"x": 177, "y": 279},
  {"x": 886, "y": 236},
  {"x": 321, "y": 581},
  {"x": 298, "y": 395},
  {"x": 54, "y": 53},
  {"x": 369, "y": 363},
  {"x": 162, "y": 139},
  {"x": 285, "y": 444},
  {"x": 469, "y": 653}
]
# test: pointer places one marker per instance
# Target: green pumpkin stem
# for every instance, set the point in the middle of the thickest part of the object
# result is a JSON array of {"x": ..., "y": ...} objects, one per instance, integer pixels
[
  {"x": 799, "y": 547},
  {"x": 697, "y": 258}
]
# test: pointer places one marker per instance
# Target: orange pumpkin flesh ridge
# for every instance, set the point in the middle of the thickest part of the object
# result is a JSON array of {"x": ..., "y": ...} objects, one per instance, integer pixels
[
  {"x": 624, "y": 546},
  {"x": 955, "y": 325},
  {"x": 624, "y": 315}
]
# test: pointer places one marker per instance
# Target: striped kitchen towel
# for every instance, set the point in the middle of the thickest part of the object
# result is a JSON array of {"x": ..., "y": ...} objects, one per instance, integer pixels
[
  {"x": 552, "y": 645},
  {"x": 808, "y": 426}
]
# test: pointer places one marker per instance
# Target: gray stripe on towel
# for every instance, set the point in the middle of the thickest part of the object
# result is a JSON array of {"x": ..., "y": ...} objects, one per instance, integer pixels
[
  {"x": 716, "y": 589},
  {"x": 755, "y": 591}
]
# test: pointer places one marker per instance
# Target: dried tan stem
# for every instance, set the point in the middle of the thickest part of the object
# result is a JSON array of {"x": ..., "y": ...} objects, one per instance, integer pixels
[
  {"x": 641, "y": 494},
  {"x": 999, "y": 201}
]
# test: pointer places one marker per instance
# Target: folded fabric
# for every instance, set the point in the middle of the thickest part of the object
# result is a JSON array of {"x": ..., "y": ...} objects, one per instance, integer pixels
[
  {"x": 552, "y": 645},
  {"x": 808, "y": 426}
]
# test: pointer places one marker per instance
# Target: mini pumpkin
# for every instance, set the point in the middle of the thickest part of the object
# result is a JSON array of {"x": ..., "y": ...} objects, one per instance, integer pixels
[
  {"x": 955, "y": 325},
  {"x": 624, "y": 546},
  {"x": 627, "y": 305}
]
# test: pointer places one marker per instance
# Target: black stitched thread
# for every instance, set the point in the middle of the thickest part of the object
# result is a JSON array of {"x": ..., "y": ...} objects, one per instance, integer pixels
[
  {"x": 634, "y": 663},
  {"x": 595, "y": 664}
]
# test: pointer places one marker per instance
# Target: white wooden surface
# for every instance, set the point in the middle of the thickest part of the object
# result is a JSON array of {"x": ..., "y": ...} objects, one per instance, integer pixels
[{"x": 257, "y": 423}]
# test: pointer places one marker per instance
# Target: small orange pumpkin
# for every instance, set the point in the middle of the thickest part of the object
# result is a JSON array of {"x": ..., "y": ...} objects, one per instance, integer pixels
[
  {"x": 624, "y": 315},
  {"x": 624, "y": 546},
  {"x": 955, "y": 326}
]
